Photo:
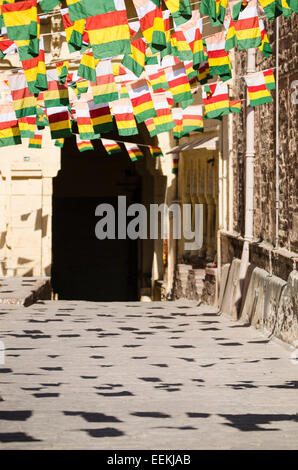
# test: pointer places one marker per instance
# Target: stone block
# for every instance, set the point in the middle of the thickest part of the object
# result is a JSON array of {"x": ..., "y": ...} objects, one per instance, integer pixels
[
  {"x": 229, "y": 301},
  {"x": 273, "y": 289},
  {"x": 286, "y": 327},
  {"x": 253, "y": 302},
  {"x": 223, "y": 282},
  {"x": 24, "y": 290},
  {"x": 209, "y": 291}
]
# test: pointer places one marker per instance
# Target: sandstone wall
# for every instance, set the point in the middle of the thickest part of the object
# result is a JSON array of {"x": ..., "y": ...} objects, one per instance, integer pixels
[{"x": 264, "y": 221}]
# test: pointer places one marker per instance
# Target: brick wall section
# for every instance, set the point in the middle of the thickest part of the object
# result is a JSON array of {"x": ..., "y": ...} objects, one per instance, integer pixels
[{"x": 264, "y": 221}]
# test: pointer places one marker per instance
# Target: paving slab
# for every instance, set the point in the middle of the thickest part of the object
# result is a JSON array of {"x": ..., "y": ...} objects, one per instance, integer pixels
[
  {"x": 140, "y": 375},
  {"x": 24, "y": 290}
]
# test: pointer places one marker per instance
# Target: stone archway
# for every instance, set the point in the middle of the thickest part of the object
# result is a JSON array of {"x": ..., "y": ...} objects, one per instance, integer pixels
[{"x": 85, "y": 268}]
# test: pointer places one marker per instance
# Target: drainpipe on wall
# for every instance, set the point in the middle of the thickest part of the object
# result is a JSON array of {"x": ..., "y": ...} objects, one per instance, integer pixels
[
  {"x": 277, "y": 134},
  {"x": 249, "y": 180}
]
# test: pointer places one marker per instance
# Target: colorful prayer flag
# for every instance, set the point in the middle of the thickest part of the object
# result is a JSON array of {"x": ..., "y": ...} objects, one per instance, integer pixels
[
  {"x": 109, "y": 32},
  {"x": 275, "y": 8},
  {"x": 269, "y": 79},
  {"x": 24, "y": 102},
  {"x": 84, "y": 122},
  {"x": 124, "y": 117},
  {"x": 123, "y": 91},
  {"x": 83, "y": 145},
  {"x": 163, "y": 121},
  {"x": 105, "y": 89},
  {"x": 29, "y": 48},
  {"x": 216, "y": 100},
  {"x": 2, "y": 27},
  {"x": 75, "y": 33},
  {"x": 190, "y": 72},
  {"x": 192, "y": 119},
  {"x": 81, "y": 87},
  {"x": 169, "y": 61},
  {"x": 149, "y": 123},
  {"x": 62, "y": 70},
  {"x": 87, "y": 67},
  {"x": 7, "y": 116},
  {"x": 111, "y": 146},
  {"x": 215, "y": 9},
  {"x": 180, "y": 46},
  {"x": 151, "y": 22},
  {"x": 10, "y": 136},
  {"x": 204, "y": 72},
  {"x": 284, "y": 8},
  {"x": 231, "y": 40},
  {"x": 192, "y": 31},
  {"x": 6, "y": 46},
  {"x": 151, "y": 59},
  {"x": 167, "y": 27},
  {"x": 177, "y": 114},
  {"x": 9, "y": 129},
  {"x": 134, "y": 27},
  {"x": 56, "y": 94},
  {"x": 179, "y": 84},
  {"x": 79, "y": 9},
  {"x": 180, "y": 10},
  {"x": 257, "y": 90},
  {"x": 20, "y": 20},
  {"x": 133, "y": 151},
  {"x": 48, "y": 5},
  {"x": 41, "y": 118},
  {"x": 237, "y": 7},
  {"x": 35, "y": 142},
  {"x": 35, "y": 71},
  {"x": 169, "y": 98},
  {"x": 27, "y": 126},
  {"x": 101, "y": 117},
  {"x": 141, "y": 100},
  {"x": 246, "y": 26},
  {"x": 235, "y": 106},
  {"x": 157, "y": 78},
  {"x": 135, "y": 61},
  {"x": 218, "y": 58},
  {"x": 118, "y": 69},
  {"x": 59, "y": 143},
  {"x": 155, "y": 151},
  {"x": 59, "y": 122},
  {"x": 175, "y": 163},
  {"x": 265, "y": 46},
  {"x": 294, "y": 5}
]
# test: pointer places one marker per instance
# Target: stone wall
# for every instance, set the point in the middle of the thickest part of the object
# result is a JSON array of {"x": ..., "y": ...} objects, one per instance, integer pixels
[
  {"x": 277, "y": 262},
  {"x": 264, "y": 220}
]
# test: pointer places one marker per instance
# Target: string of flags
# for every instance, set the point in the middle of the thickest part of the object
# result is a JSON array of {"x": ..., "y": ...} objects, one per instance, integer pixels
[
  {"x": 165, "y": 57},
  {"x": 112, "y": 147}
]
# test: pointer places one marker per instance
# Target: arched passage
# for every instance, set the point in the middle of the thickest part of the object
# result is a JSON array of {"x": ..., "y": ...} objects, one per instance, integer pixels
[{"x": 85, "y": 268}]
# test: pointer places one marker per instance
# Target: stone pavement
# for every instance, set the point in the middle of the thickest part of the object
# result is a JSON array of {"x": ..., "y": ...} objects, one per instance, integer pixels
[
  {"x": 160, "y": 375},
  {"x": 24, "y": 290}
]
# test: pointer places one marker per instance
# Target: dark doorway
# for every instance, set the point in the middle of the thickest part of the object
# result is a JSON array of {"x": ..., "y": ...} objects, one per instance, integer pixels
[{"x": 85, "y": 268}]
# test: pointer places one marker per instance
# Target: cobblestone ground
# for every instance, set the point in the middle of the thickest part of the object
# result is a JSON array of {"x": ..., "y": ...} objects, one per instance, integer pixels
[{"x": 141, "y": 375}]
